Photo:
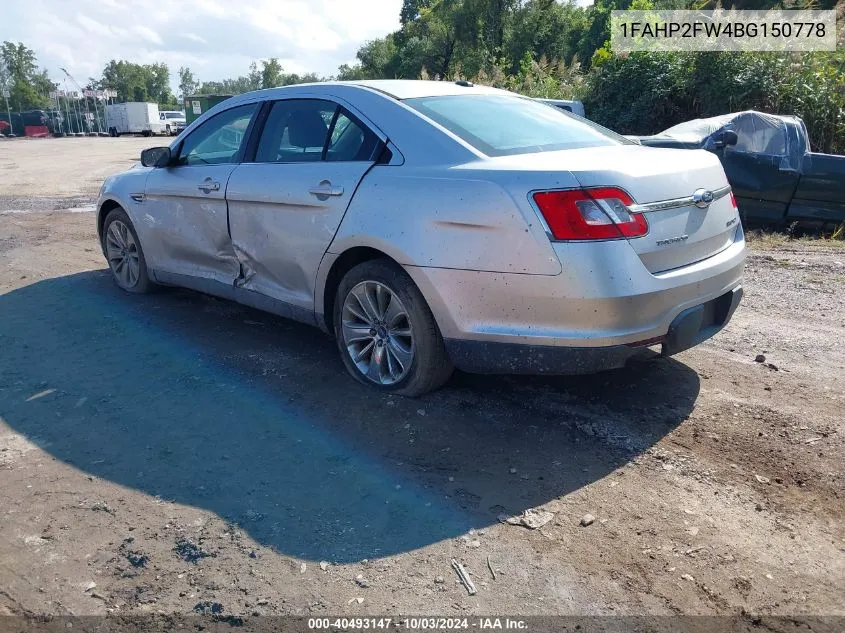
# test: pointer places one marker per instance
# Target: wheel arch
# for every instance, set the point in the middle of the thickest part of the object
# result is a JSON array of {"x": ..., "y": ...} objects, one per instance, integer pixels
[
  {"x": 106, "y": 206},
  {"x": 341, "y": 265}
]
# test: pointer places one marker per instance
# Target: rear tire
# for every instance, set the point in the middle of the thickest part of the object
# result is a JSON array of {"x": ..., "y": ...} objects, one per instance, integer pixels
[
  {"x": 124, "y": 254},
  {"x": 382, "y": 320}
]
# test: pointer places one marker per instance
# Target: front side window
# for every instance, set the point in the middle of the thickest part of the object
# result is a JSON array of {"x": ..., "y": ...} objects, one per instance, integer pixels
[
  {"x": 218, "y": 140},
  {"x": 501, "y": 125}
]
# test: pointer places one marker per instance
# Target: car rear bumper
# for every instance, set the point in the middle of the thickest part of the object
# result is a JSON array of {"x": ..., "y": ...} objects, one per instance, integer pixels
[
  {"x": 691, "y": 327},
  {"x": 602, "y": 310}
]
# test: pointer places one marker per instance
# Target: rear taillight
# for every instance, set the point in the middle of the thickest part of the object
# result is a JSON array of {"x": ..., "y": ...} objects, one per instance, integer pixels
[
  {"x": 733, "y": 200},
  {"x": 602, "y": 213}
]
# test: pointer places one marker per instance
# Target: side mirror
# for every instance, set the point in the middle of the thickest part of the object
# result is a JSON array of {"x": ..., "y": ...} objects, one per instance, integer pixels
[
  {"x": 155, "y": 157},
  {"x": 725, "y": 138}
]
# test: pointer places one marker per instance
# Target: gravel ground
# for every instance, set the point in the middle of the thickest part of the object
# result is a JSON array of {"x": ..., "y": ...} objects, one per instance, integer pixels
[{"x": 172, "y": 453}]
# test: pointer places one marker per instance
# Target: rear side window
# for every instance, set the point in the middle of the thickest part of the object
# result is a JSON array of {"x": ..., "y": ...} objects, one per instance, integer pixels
[
  {"x": 501, "y": 125},
  {"x": 296, "y": 131},
  {"x": 308, "y": 130},
  {"x": 350, "y": 141}
]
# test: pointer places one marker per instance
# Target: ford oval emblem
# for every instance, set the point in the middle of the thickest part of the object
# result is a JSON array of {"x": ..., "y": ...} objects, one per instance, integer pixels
[{"x": 702, "y": 198}]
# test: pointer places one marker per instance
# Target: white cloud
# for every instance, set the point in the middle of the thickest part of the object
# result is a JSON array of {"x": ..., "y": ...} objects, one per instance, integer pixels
[
  {"x": 224, "y": 36},
  {"x": 194, "y": 37}
]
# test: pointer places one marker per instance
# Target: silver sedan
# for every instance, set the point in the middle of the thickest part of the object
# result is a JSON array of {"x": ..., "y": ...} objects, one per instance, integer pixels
[{"x": 428, "y": 225}]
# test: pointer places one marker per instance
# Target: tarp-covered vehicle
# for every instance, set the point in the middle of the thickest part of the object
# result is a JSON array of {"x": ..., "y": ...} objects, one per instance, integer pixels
[{"x": 775, "y": 177}]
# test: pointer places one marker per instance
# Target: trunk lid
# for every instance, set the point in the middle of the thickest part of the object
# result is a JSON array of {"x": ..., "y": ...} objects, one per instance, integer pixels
[{"x": 677, "y": 236}]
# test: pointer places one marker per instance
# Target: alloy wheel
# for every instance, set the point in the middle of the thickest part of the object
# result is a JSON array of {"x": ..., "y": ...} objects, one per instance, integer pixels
[
  {"x": 377, "y": 333},
  {"x": 122, "y": 254}
]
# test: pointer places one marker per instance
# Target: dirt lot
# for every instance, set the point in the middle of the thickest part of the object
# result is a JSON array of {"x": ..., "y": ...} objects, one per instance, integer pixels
[{"x": 168, "y": 452}]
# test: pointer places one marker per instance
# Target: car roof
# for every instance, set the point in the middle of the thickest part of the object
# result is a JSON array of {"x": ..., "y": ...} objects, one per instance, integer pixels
[
  {"x": 410, "y": 88},
  {"x": 395, "y": 88}
]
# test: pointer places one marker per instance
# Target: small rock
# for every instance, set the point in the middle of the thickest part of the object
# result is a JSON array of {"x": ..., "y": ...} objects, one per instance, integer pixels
[
  {"x": 761, "y": 479},
  {"x": 512, "y": 471},
  {"x": 772, "y": 366},
  {"x": 302, "y": 568},
  {"x": 439, "y": 580},
  {"x": 759, "y": 507},
  {"x": 361, "y": 581},
  {"x": 420, "y": 411},
  {"x": 688, "y": 577},
  {"x": 769, "y": 576},
  {"x": 324, "y": 565},
  {"x": 90, "y": 586},
  {"x": 760, "y": 358},
  {"x": 208, "y": 608},
  {"x": 531, "y": 518},
  {"x": 587, "y": 519}
]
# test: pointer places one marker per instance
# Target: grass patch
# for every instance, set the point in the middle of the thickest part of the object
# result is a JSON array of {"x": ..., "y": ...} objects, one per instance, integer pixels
[{"x": 773, "y": 239}]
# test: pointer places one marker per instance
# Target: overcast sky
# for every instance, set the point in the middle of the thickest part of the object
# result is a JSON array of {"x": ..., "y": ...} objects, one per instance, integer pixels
[{"x": 216, "y": 38}]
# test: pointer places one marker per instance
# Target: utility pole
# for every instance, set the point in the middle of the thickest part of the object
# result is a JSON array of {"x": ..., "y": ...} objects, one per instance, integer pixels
[
  {"x": 4, "y": 87},
  {"x": 69, "y": 119},
  {"x": 8, "y": 110},
  {"x": 82, "y": 92}
]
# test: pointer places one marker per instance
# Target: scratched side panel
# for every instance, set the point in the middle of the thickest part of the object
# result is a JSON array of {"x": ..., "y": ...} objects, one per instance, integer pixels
[{"x": 446, "y": 218}]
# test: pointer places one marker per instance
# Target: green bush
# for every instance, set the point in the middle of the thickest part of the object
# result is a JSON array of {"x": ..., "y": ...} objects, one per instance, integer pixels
[
  {"x": 640, "y": 93},
  {"x": 644, "y": 93}
]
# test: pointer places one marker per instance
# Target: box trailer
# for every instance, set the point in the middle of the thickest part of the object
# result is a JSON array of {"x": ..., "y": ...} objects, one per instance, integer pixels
[
  {"x": 196, "y": 105},
  {"x": 133, "y": 118}
]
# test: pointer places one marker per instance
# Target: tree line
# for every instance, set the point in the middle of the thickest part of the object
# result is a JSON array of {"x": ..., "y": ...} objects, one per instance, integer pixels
[
  {"x": 30, "y": 86},
  {"x": 552, "y": 49},
  {"x": 540, "y": 48}
]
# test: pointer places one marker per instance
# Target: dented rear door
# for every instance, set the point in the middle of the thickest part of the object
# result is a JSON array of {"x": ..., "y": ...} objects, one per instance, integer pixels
[{"x": 286, "y": 206}]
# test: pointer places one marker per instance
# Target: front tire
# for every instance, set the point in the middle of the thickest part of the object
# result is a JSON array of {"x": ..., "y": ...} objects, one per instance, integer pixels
[
  {"x": 386, "y": 334},
  {"x": 124, "y": 254}
]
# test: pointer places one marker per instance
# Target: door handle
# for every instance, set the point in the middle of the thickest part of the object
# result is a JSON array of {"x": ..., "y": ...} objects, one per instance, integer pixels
[
  {"x": 325, "y": 189},
  {"x": 209, "y": 185}
]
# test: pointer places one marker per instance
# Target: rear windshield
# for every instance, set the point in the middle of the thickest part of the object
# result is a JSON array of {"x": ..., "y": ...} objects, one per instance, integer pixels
[{"x": 501, "y": 125}]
